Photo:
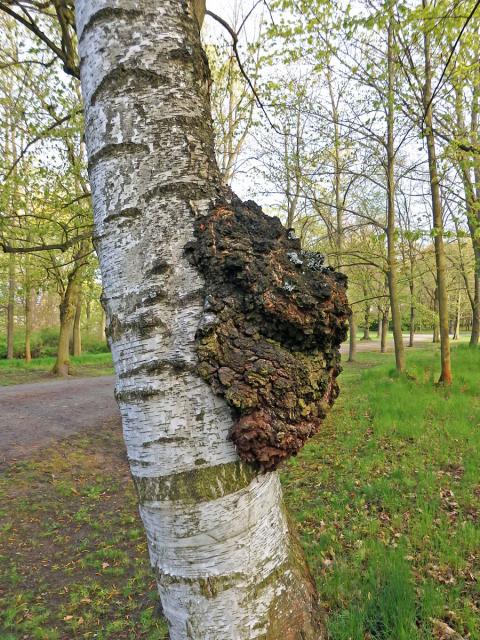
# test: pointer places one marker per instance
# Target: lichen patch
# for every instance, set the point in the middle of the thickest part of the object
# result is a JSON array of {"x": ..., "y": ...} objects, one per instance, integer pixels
[{"x": 274, "y": 318}]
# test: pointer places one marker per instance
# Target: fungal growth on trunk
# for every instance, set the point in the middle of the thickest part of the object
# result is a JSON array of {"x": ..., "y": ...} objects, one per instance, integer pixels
[{"x": 273, "y": 321}]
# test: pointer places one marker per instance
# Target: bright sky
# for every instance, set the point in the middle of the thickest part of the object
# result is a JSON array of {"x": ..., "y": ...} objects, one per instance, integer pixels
[
  {"x": 226, "y": 8},
  {"x": 233, "y": 11}
]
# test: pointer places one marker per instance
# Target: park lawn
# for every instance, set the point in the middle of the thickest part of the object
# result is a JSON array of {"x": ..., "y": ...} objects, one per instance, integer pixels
[
  {"x": 18, "y": 371},
  {"x": 387, "y": 500}
]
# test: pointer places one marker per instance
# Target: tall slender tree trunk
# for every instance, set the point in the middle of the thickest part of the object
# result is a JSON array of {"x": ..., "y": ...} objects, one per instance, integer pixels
[
  {"x": 411, "y": 337},
  {"x": 12, "y": 284},
  {"x": 366, "y": 322},
  {"x": 101, "y": 324},
  {"x": 29, "y": 295},
  {"x": 88, "y": 315},
  {"x": 446, "y": 368},
  {"x": 226, "y": 563},
  {"x": 475, "y": 333},
  {"x": 436, "y": 324},
  {"x": 475, "y": 219},
  {"x": 383, "y": 341},
  {"x": 28, "y": 292},
  {"x": 456, "y": 328},
  {"x": 380, "y": 321},
  {"x": 352, "y": 345},
  {"x": 391, "y": 250},
  {"x": 77, "y": 333},
  {"x": 339, "y": 209},
  {"x": 472, "y": 198}
]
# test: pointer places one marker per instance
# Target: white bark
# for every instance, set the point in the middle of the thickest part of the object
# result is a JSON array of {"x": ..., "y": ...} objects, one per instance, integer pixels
[{"x": 217, "y": 532}]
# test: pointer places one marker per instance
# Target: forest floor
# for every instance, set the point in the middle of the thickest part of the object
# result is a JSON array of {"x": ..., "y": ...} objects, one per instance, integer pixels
[
  {"x": 39, "y": 369},
  {"x": 387, "y": 500}
]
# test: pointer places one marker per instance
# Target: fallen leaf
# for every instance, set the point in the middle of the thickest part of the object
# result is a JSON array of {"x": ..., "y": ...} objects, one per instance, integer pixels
[{"x": 442, "y": 631}]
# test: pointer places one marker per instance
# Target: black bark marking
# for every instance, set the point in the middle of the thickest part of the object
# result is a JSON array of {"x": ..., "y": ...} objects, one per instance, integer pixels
[
  {"x": 128, "y": 80},
  {"x": 274, "y": 318},
  {"x": 115, "y": 150},
  {"x": 128, "y": 396},
  {"x": 144, "y": 324},
  {"x": 124, "y": 214},
  {"x": 106, "y": 14},
  {"x": 159, "y": 267},
  {"x": 184, "y": 190},
  {"x": 156, "y": 367}
]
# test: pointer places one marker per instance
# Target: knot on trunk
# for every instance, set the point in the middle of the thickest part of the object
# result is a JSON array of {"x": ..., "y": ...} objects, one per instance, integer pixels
[{"x": 273, "y": 321}]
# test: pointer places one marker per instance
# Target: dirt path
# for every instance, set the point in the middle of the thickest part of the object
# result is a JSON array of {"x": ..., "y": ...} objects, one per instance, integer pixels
[{"x": 34, "y": 415}]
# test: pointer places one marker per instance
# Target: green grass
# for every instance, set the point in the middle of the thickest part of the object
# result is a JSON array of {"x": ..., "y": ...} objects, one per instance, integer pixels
[
  {"x": 386, "y": 497},
  {"x": 39, "y": 369}
]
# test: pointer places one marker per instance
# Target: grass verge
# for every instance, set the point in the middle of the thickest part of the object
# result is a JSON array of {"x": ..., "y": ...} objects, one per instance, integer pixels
[
  {"x": 39, "y": 369},
  {"x": 387, "y": 499}
]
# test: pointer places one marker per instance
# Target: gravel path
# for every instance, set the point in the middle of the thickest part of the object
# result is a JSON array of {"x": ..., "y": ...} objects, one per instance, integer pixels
[
  {"x": 374, "y": 345},
  {"x": 34, "y": 415}
]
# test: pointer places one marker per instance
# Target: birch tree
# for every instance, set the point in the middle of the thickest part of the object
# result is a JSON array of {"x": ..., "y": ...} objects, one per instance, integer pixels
[{"x": 226, "y": 563}]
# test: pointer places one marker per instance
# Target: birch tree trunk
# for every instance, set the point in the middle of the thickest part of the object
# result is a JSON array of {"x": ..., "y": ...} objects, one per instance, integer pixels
[{"x": 219, "y": 540}]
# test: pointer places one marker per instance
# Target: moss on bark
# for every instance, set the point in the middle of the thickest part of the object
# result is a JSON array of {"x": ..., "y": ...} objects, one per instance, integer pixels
[{"x": 195, "y": 485}]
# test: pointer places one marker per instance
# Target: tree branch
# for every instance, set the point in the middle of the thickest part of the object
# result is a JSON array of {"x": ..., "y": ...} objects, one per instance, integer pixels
[
  {"x": 46, "y": 247},
  {"x": 234, "y": 36}
]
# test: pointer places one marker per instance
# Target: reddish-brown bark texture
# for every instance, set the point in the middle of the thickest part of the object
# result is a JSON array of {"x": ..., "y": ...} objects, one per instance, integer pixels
[{"x": 273, "y": 323}]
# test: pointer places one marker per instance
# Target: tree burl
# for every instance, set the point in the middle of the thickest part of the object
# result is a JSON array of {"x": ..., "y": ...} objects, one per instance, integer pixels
[{"x": 273, "y": 321}]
